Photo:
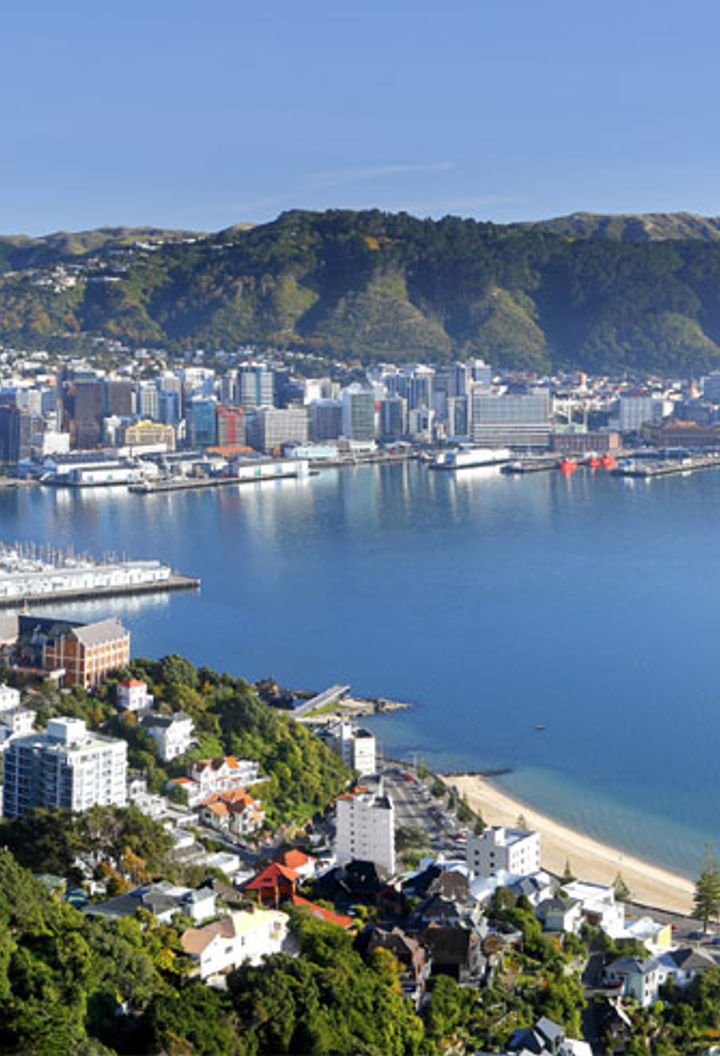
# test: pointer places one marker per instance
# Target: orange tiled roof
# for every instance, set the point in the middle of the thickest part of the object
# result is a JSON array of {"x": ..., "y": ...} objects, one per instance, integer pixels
[
  {"x": 293, "y": 859},
  {"x": 323, "y": 914},
  {"x": 270, "y": 876}
]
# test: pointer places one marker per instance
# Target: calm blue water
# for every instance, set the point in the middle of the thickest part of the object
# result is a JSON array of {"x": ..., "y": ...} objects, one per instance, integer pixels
[{"x": 494, "y": 603}]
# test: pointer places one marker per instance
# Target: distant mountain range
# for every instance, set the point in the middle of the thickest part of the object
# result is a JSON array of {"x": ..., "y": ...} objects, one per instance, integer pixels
[{"x": 602, "y": 292}]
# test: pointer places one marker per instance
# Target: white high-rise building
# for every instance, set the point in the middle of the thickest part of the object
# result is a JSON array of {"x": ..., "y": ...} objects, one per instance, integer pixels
[
  {"x": 366, "y": 829},
  {"x": 516, "y": 851},
  {"x": 66, "y": 766},
  {"x": 637, "y": 408}
]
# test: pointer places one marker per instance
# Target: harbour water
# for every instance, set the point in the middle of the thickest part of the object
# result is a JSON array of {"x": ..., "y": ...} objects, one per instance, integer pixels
[{"x": 588, "y": 605}]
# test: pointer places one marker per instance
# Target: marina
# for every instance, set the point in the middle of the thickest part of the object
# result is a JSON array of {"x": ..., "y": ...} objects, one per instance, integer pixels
[{"x": 29, "y": 573}]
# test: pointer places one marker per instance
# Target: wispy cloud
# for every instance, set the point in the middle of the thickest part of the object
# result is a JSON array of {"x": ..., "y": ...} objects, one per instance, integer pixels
[{"x": 339, "y": 177}]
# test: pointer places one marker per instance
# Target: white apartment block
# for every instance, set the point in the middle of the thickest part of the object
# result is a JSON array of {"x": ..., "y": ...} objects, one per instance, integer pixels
[
  {"x": 517, "y": 851},
  {"x": 66, "y": 766},
  {"x": 356, "y": 746},
  {"x": 366, "y": 829},
  {"x": 635, "y": 409}
]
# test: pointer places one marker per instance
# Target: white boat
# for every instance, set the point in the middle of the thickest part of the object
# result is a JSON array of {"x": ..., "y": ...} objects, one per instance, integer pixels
[{"x": 465, "y": 457}]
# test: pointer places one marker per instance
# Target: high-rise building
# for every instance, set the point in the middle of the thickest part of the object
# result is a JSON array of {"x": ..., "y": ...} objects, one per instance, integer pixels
[
  {"x": 326, "y": 420},
  {"x": 119, "y": 397},
  {"x": 356, "y": 745},
  {"x": 147, "y": 400},
  {"x": 366, "y": 829},
  {"x": 270, "y": 428},
  {"x": 169, "y": 406},
  {"x": 202, "y": 422},
  {"x": 516, "y": 420},
  {"x": 66, "y": 766},
  {"x": 84, "y": 403},
  {"x": 256, "y": 387},
  {"x": 230, "y": 425},
  {"x": 358, "y": 404},
  {"x": 21, "y": 433},
  {"x": 421, "y": 388},
  {"x": 393, "y": 417},
  {"x": 637, "y": 408}
]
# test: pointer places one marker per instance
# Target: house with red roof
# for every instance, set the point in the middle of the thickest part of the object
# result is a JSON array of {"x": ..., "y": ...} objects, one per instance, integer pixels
[
  {"x": 303, "y": 864},
  {"x": 274, "y": 884},
  {"x": 209, "y": 776}
]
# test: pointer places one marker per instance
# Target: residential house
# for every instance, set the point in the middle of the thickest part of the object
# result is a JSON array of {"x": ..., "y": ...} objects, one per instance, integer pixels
[
  {"x": 239, "y": 937},
  {"x": 132, "y": 695},
  {"x": 173, "y": 734},
  {"x": 600, "y": 908},
  {"x": 207, "y": 776},
  {"x": 454, "y": 950},
  {"x": 235, "y": 811},
  {"x": 162, "y": 899},
  {"x": 303, "y": 864},
  {"x": 274, "y": 884},
  {"x": 437, "y": 879},
  {"x": 559, "y": 914},
  {"x": 546, "y": 1038},
  {"x": 410, "y": 954},
  {"x": 655, "y": 934}
]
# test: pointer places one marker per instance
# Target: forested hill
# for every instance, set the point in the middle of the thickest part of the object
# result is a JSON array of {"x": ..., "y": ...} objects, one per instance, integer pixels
[
  {"x": 372, "y": 284},
  {"x": 632, "y": 227}
]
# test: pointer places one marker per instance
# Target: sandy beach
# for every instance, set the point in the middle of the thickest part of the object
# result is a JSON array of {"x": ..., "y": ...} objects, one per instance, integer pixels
[{"x": 589, "y": 859}]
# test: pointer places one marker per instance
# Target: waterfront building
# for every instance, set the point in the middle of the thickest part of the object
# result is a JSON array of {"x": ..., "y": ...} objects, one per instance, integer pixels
[
  {"x": 420, "y": 392},
  {"x": 514, "y": 420},
  {"x": 517, "y": 851},
  {"x": 325, "y": 420},
  {"x": 637, "y": 408},
  {"x": 270, "y": 428},
  {"x": 173, "y": 734},
  {"x": 598, "y": 442},
  {"x": 66, "y": 766},
  {"x": 358, "y": 408},
  {"x": 366, "y": 829},
  {"x": 149, "y": 434},
  {"x": 457, "y": 418},
  {"x": 83, "y": 410}
]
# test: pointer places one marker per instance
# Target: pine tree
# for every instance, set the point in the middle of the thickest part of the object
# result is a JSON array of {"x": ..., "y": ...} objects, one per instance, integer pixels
[{"x": 706, "y": 902}]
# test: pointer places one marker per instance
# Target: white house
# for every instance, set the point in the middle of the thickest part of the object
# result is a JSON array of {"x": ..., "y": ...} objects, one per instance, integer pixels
[
  {"x": 243, "y": 936},
  {"x": 173, "y": 734},
  {"x": 132, "y": 695},
  {"x": 356, "y": 745},
  {"x": 559, "y": 914},
  {"x": 366, "y": 829},
  {"x": 515, "y": 850},
  {"x": 599, "y": 906},
  {"x": 207, "y": 776},
  {"x": 15, "y": 722},
  {"x": 162, "y": 899},
  {"x": 9, "y": 698}
]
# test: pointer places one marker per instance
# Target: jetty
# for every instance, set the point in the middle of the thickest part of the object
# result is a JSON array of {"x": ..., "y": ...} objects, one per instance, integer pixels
[
  {"x": 666, "y": 467},
  {"x": 537, "y": 464}
]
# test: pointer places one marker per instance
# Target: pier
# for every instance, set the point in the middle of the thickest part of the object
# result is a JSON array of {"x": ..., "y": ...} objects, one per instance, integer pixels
[
  {"x": 328, "y": 696},
  {"x": 174, "y": 582},
  {"x": 667, "y": 467},
  {"x": 538, "y": 464}
]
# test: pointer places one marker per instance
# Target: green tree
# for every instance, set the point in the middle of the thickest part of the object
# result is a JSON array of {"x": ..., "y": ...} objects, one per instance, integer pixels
[{"x": 706, "y": 901}]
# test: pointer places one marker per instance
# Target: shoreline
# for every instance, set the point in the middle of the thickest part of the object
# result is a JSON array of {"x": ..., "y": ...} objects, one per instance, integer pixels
[{"x": 589, "y": 858}]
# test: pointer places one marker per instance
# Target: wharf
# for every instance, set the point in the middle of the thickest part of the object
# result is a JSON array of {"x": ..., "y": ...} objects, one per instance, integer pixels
[
  {"x": 667, "y": 467},
  {"x": 531, "y": 465},
  {"x": 155, "y": 487},
  {"x": 174, "y": 582}
]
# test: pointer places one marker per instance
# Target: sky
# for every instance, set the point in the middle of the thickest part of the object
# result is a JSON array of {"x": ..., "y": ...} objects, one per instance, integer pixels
[{"x": 202, "y": 115}]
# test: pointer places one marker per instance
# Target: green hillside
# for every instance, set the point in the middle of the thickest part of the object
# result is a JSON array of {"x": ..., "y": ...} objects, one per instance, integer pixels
[{"x": 377, "y": 285}]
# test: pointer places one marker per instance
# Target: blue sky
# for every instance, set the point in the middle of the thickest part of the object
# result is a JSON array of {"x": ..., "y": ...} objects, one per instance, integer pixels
[{"x": 201, "y": 115}]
